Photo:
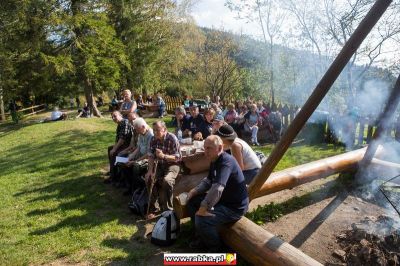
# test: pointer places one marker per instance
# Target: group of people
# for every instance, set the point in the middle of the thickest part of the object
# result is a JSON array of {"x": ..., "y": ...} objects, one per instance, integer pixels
[
  {"x": 128, "y": 104},
  {"x": 154, "y": 161},
  {"x": 248, "y": 117}
]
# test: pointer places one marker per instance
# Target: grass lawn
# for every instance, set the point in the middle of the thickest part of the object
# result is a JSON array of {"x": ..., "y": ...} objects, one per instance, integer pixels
[{"x": 54, "y": 205}]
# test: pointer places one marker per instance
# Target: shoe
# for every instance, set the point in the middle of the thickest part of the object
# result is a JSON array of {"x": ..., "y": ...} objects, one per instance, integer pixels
[{"x": 257, "y": 144}]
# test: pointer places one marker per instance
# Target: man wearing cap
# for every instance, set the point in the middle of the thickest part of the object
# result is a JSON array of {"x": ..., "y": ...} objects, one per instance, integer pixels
[
  {"x": 217, "y": 123},
  {"x": 226, "y": 200},
  {"x": 241, "y": 151}
]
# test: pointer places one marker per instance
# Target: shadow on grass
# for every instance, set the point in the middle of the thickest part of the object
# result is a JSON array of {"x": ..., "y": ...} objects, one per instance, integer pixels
[{"x": 63, "y": 164}]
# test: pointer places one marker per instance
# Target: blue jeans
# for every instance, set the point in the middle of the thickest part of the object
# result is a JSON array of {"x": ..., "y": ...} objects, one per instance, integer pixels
[
  {"x": 250, "y": 174},
  {"x": 161, "y": 110},
  {"x": 207, "y": 226}
]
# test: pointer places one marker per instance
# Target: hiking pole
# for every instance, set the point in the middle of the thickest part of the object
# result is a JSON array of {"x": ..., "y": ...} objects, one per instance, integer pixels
[{"x": 152, "y": 181}]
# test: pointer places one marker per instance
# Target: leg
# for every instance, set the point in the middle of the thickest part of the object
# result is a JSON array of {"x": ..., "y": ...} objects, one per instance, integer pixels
[
  {"x": 193, "y": 205},
  {"x": 207, "y": 226},
  {"x": 111, "y": 160},
  {"x": 168, "y": 182},
  {"x": 254, "y": 132},
  {"x": 250, "y": 174}
]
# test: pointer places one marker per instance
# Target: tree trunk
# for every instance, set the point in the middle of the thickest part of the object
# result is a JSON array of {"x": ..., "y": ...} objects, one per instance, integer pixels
[
  {"x": 3, "y": 115},
  {"x": 90, "y": 99}
]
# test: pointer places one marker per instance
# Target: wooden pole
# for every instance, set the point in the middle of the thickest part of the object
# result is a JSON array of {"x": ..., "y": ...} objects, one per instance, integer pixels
[
  {"x": 319, "y": 93},
  {"x": 281, "y": 180},
  {"x": 261, "y": 247},
  {"x": 384, "y": 122}
]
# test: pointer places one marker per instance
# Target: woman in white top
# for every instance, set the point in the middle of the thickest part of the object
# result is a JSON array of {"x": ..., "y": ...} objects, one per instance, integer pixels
[{"x": 243, "y": 153}]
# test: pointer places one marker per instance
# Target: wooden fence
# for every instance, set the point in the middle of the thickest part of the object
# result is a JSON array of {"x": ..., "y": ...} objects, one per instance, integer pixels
[{"x": 29, "y": 110}]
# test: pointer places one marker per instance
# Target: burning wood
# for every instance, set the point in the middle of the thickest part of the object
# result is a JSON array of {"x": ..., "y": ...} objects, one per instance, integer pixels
[{"x": 373, "y": 241}]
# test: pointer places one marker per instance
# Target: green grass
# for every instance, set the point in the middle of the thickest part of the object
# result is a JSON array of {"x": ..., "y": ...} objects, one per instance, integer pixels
[
  {"x": 54, "y": 205},
  {"x": 300, "y": 154}
]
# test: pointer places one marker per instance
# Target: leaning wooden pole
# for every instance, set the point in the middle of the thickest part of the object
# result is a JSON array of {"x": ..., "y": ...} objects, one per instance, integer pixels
[
  {"x": 319, "y": 93},
  {"x": 261, "y": 247},
  {"x": 383, "y": 123},
  {"x": 285, "y": 179}
]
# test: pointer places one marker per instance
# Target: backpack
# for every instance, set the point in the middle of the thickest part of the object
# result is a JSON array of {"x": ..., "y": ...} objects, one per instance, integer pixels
[
  {"x": 261, "y": 157},
  {"x": 139, "y": 202},
  {"x": 166, "y": 230}
]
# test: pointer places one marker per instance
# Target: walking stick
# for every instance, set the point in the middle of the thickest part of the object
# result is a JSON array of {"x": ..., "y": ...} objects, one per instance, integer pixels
[{"x": 152, "y": 181}]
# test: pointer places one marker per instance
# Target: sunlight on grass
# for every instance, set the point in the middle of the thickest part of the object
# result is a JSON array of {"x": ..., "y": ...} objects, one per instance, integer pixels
[{"x": 55, "y": 207}]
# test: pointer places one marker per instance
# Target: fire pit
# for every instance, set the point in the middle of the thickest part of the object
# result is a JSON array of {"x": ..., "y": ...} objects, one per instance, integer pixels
[{"x": 373, "y": 241}]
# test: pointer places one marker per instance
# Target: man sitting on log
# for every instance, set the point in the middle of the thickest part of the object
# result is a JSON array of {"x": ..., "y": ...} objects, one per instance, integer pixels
[
  {"x": 164, "y": 147},
  {"x": 226, "y": 200},
  {"x": 137, "y": 163},
  {"x": 122, "y": 140}
]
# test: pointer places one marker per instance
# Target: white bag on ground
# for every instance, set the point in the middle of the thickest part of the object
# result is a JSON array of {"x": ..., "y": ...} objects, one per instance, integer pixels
[{"x": 166, "y": 230}]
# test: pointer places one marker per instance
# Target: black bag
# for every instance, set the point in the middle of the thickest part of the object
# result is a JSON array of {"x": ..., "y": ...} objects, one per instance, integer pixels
[{"x": 139, "y": 202}]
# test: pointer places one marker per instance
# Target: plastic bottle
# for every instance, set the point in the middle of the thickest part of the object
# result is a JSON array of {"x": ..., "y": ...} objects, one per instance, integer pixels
[{"x": 180, "y": 135}]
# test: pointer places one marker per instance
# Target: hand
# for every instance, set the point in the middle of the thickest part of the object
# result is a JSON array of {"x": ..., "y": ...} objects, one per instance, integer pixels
[
  {"x": 190, "y": 194},
  {"x": 147, "y": 177},
  {"x": 159, "y": 154},
  {"x": 198, "y": 136},
  {"x": 129, "y": 163},
  {"x": 203, "y": 212},
  {"x": 113, "y": 151}
]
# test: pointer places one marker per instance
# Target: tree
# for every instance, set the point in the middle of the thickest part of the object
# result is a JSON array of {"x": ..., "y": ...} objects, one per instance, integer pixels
[
  {"x": 85, "y": 47},
  {"x": 342, "y": 19},
  {"x": 219, "y": 70},
  {"x": 270, "y": 17}
]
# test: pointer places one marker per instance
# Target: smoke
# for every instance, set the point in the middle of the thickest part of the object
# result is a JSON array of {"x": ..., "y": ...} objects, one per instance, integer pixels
[
  {"x": 367, "y": 105},
  {"x": 378, "y": 176}
]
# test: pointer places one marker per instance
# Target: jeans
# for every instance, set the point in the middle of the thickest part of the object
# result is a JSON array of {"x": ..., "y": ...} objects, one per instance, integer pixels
[
  {"x": 161, "y": 110},
  {"x": 207, "y": 226},
  {"x": 250, "y": 174},
  {"x": 254, "y": 132}
]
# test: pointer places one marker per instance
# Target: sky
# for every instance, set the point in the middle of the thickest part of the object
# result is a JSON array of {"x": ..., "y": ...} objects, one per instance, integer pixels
[{"x": 213, "y": 14}]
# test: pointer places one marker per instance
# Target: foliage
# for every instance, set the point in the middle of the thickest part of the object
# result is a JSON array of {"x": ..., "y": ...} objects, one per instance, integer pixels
[{"x": 219, "y": 71}]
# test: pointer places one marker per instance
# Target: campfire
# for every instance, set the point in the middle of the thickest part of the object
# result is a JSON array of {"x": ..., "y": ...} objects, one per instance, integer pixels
[{"x": 372, "y": 241}]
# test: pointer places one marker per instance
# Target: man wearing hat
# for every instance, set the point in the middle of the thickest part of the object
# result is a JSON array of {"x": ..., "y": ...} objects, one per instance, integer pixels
[
  {"x": 241, "y": 151},
  {"x": 226, "y": 200},
  {"x": 217, "y": 123}
]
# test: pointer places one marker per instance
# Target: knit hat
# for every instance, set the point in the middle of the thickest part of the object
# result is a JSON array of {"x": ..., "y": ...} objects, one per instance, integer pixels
[{"x": 226, "y": 132}]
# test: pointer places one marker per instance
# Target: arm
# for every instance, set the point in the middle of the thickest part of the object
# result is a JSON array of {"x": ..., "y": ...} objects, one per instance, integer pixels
[
  {"x": 119, "y": 143},
  {"x": 237, "y": 153},
  {"x": 202, "y": 187},
  {"x": 133, "y": 107},
  {"x": 211, "y": 199}
]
